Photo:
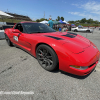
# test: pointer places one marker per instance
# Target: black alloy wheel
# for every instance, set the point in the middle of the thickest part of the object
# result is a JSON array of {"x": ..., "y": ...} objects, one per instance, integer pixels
[
  {"x": 88, "y": 31},
  {"x": 75, "y": 30},
  {"x": 46, "y": 57},
  {"x": 8, "y": 40}
]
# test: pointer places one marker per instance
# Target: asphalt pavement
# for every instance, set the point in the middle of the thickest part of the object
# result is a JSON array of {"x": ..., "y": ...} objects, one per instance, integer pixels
[{"x": 19, "y": 71}]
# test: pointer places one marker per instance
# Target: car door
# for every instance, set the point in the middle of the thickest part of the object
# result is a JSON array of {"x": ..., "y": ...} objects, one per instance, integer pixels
[
  {"x": 21, "y": 38},
  {"x": 79, "y": 29}
]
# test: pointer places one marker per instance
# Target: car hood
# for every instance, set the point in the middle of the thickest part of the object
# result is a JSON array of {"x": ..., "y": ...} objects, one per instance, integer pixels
[{"x": 72, "y": 41}]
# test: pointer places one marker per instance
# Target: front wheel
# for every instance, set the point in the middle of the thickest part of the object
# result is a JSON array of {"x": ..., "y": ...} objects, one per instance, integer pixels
[
  {"x": 75, "y": 30},
  {"x": 8, "y": 40},
  {"x": 46, "y": 57},
  {"x": 88, "y": 31}
]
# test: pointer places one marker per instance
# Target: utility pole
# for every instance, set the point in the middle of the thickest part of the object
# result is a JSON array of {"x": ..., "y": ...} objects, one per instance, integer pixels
[
  {"x": 44, "y": 14},
  {"x": 7, "y": 11}
]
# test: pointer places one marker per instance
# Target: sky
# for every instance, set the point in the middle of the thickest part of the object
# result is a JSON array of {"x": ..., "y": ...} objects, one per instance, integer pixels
[{"x": 69, "y": 9}]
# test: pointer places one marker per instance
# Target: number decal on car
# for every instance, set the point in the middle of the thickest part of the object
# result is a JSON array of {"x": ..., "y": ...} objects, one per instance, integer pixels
[{"x": 15, "y": 38}]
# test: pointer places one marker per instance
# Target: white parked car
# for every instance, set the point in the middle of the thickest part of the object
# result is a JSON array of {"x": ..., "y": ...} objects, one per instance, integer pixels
[{"x": 77, "y": 29}]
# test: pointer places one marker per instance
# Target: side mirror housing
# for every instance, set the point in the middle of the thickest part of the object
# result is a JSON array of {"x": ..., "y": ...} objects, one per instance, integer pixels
[{"x": 15, "y": 31}]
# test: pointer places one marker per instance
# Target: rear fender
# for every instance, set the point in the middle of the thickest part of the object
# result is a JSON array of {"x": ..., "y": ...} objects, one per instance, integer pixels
[{"x": 8, "y": 32}]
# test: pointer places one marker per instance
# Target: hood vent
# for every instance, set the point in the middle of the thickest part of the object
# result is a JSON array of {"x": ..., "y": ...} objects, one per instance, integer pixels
[
  {"x": 57, "y": 38},
  {"x": 71, "y": 35}
]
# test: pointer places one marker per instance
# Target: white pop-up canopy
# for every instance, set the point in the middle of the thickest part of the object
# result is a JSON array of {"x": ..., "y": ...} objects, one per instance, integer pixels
[
  {"x": 44, "y": 22},
  {"x": 3, "y": 14},
  {"x": 66, "y": 22}
]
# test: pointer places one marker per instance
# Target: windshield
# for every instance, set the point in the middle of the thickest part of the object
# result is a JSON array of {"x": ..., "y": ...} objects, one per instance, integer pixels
[{"x": 37, "y": 28}]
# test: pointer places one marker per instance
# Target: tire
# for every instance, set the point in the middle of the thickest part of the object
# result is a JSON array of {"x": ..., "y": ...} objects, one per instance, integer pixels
[
  {"x": 46, "y": 57},
  {"x": 88, "y": 31},
  {"x": 8, "y": 41},
  {"x": 75, "y": 30}
]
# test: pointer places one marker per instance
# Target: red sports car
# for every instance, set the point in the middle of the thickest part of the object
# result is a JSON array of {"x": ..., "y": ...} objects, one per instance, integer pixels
[{"x": 69, "y": 51}]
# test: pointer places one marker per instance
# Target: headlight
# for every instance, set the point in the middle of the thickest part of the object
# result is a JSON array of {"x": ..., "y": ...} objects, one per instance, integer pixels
[{"x": 79, "y": 67}]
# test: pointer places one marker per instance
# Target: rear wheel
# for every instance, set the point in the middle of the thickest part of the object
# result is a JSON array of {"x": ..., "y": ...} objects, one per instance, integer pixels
[
  {"x": 88, "y": 31},
  {"x": 8, "y": 40},
  {"x": 46, "y": 57}
]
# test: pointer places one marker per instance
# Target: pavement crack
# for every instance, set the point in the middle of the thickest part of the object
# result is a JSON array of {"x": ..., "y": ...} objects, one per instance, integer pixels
[
  {"x": 23, "y": 58},
  {"x": 6, "y": 69}
]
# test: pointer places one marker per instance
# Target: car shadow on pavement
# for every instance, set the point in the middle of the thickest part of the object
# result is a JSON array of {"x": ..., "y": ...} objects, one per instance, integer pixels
[
  {"x": 56, "y": 70},
  {"x": 76, "y": 76}
]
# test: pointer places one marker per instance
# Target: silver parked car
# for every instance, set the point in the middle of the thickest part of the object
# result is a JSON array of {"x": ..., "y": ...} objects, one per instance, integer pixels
[{"x": 77, "y": 29}]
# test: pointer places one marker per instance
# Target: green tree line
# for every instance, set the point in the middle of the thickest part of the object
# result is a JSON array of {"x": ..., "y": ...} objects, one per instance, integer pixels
[
  {"x": 85, "y": 21},
  {"x": 42, "y": 19}
]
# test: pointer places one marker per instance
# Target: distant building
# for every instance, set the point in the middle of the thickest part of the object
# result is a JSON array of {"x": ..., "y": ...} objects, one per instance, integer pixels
[{"x": 19, "y": 17}]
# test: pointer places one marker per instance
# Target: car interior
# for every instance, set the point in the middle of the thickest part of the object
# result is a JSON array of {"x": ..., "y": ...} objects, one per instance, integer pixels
[{"x": 19, "y": 27}]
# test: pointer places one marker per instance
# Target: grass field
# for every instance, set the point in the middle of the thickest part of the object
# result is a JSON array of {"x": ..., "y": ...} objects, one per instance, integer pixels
[{"x": 10, "y": 20}]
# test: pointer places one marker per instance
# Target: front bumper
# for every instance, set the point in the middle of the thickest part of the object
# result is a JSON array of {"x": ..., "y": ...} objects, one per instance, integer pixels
[
  {"x": 83, "y": 72},
  {"x": 89, "y": 57}
]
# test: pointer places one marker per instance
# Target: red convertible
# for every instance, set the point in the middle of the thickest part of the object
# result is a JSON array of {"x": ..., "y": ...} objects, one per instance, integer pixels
[{"x": 69, "y": 51}]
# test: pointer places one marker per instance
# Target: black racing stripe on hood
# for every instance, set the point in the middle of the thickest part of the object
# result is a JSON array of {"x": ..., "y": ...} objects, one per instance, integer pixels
[
  {"x": 57, "y": 38},
  {"x": 71, "y": 35}
]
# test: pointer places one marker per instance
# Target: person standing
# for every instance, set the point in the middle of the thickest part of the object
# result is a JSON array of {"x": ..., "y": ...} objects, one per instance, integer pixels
[{"x": 50, "y": 23}]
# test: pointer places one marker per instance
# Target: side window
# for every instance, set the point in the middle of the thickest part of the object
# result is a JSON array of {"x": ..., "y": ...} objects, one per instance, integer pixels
[{"x": 19, "y": 27}]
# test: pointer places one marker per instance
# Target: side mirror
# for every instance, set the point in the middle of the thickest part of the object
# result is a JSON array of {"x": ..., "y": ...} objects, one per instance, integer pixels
[{"x": 15, "y": 31}]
